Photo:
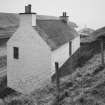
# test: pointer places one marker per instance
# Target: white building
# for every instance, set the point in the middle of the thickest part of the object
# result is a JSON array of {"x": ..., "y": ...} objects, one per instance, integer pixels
[{"x": 37, "y": 44}]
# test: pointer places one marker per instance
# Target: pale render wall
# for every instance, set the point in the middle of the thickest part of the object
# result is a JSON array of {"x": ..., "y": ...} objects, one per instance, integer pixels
[
  {"x": 33, "y": 68},
  {"x": 75, "y": 44},
  {"x": 60, "y": 55}
]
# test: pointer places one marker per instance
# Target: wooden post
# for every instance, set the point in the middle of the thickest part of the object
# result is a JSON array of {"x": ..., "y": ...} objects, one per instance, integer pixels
[
  {"x": 70, "y": 48},
  {"x": 102, "y": 52},
  {"x": 57, "y": 83}
]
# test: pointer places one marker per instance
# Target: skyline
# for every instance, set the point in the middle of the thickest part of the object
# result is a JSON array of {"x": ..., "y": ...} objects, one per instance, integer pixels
[{"x": 88, "y": 13}]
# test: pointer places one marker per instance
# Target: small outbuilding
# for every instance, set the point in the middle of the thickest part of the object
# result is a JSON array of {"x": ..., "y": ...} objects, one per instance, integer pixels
[
  {"x": 85, "y": 34},
  {"x": 33, "y": 49}
]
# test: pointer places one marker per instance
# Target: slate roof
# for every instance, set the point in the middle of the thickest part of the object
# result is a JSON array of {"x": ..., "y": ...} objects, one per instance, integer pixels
[{"x": 57, "y": 32}]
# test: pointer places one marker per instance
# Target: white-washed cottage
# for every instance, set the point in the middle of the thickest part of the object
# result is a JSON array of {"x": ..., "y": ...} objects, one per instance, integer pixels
[{"x": 37, "y": 44}]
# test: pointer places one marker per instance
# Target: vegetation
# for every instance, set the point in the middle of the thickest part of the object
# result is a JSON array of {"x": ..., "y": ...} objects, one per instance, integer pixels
[
  {"x": 86, "y": 86},
  {"x": 3, "y": 61},
  {"x": 87, "y": 51},
  {"x": 3, "y": 82}
]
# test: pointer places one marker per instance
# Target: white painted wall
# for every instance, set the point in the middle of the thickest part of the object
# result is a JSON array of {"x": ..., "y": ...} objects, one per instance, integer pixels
[
  {"x": 29, "y": 19},
  {"x": 75, "y": 44},
  {"x": 60, "y": 55},
  {"x": 33, "y": 68}
]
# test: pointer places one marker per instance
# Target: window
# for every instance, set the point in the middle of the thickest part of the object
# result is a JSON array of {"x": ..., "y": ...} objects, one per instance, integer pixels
[
  {"x": 70, "y": 48},
  {"x": 16, "y": 52}
]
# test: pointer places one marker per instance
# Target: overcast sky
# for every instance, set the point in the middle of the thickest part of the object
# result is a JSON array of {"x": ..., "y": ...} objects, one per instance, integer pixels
[{"x": 90, "y": 13}]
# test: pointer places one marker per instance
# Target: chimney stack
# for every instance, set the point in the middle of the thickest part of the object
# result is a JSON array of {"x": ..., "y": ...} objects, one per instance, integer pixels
[
  {"x": 28, "y": 17},
  {"x": 64, "y": 17},
  {"x": 28, "y": 9}
]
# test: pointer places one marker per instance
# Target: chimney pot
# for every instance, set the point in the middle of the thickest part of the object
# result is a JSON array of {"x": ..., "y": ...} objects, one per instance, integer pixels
[
  {"x": 28, "y": 9},
  {"x": 64, "y": 17},
  {"x": 63, "y": 13},
  {"x": 29, "y": 6}
]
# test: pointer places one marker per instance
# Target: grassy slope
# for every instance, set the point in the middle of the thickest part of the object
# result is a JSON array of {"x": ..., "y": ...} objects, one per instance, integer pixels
[
  {"x": 86, "y": 86},
  {"x": 8, "y": 24}
]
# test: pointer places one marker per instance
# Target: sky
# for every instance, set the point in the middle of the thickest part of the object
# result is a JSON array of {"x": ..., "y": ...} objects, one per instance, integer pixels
[{"x": 85, "y": 13}]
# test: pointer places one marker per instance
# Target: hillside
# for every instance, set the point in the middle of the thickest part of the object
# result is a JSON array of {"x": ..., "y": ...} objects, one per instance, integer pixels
[
  {"x": 86, "y": 86},
  {"x": 8, "y": 24}
]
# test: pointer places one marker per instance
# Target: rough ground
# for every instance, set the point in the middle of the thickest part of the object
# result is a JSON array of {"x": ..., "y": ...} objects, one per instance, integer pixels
[{"x": 86, "y": 86}]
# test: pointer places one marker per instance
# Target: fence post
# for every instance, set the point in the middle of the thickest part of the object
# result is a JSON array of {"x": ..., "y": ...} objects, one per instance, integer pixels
[{"x": 57, "y": 83}]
